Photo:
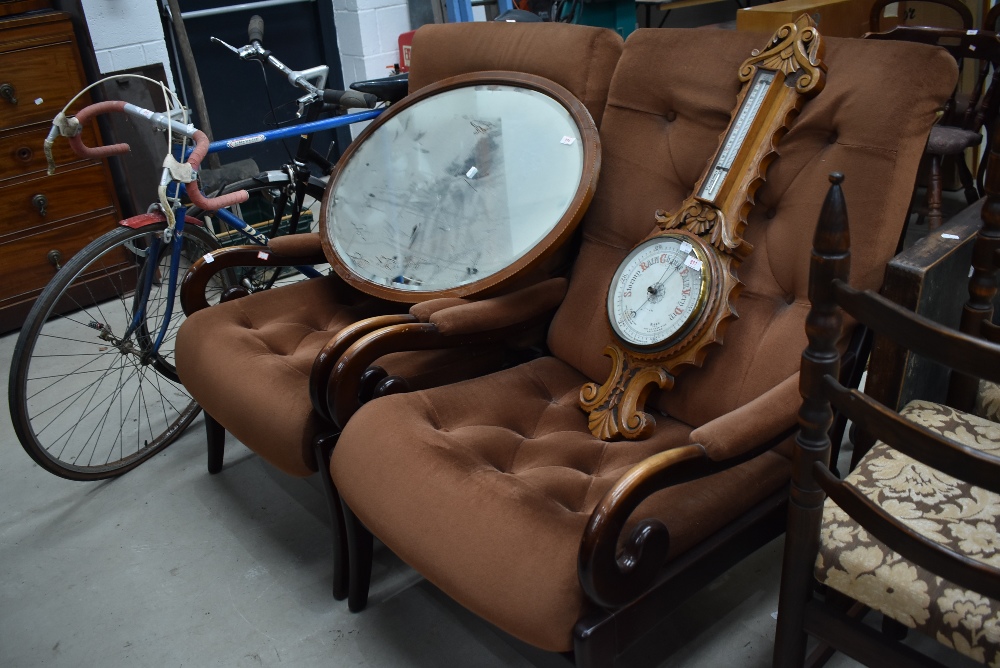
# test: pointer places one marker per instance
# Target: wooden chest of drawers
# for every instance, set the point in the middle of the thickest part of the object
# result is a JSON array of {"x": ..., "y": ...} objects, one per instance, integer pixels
[{"x": 40, "y": 71}]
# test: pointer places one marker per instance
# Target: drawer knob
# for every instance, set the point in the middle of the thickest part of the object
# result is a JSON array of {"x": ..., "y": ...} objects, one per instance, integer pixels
[
  {"x": 24, "y": 154},
  {"x": 55, "y": 259},
  {"x": 40, "y": 202},
  {"x": 7, "y": 93}
]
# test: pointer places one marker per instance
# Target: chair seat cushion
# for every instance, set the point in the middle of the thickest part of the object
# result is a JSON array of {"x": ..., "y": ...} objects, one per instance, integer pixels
[
  {"x": 247, "y": 362},
  {"x": 946, "y": 140},
  {"x": 963, "y": 518},
  {"x": 485, "y": 487},
  {"x": 988, "y": 401}
]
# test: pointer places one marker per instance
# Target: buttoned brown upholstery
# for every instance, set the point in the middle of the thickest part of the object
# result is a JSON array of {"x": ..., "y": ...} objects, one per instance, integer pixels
[
  {"x": 485, "y": 487},
  {"x": 247, "y": 362}
]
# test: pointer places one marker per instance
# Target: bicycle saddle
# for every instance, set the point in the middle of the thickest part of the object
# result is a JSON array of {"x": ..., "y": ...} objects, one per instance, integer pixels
[{"x": 391, "y": 89}]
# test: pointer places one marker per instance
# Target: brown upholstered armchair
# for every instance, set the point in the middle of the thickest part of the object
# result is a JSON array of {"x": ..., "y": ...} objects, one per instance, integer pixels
[
  {"x": 494, "y": 488},
  {"x": 912, "y": 531},
  {"x": 260, "y": 365}
]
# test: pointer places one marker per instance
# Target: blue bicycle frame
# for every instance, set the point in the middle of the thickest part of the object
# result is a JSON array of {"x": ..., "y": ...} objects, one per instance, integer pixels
[{"x": 257, "y": 237}]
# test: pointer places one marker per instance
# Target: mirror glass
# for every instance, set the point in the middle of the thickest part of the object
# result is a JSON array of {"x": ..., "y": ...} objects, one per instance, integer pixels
[{"x": 454, "y": 187}]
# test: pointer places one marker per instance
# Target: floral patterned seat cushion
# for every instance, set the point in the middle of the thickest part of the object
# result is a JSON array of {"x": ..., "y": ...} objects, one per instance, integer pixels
[
  {"x": 961, "y": 517},
  {"x": 988, "y": 401}
]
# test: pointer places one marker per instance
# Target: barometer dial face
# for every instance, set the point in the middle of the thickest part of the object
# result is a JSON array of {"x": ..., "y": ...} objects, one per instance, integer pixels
[
  {"x": 737, "y": 134},
  {"x": 659, "y": 292}
]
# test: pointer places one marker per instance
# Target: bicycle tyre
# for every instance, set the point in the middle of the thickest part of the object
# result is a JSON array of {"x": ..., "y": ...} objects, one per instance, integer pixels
[{"x": 85, "y": 405}]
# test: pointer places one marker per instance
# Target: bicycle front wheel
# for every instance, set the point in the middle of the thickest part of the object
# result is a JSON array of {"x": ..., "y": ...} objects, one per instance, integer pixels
[{"x": 88, "y": 400}]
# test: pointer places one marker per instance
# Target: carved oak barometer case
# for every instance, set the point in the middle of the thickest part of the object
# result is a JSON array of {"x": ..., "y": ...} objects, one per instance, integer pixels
[{"x": 671, "y": 296}]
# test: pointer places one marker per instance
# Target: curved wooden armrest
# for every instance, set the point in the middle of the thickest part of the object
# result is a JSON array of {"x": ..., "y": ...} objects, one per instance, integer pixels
[
  {"x": 496, "y": 312},
  {"x": 342, "y": 396},
  {"x": 323, "y": 365},
  {"x": 611, "y": 579},
  {"x": 773, "y": 413},
  {"x": 201, "y": 272},
  {"x": 306, "y": 246}
]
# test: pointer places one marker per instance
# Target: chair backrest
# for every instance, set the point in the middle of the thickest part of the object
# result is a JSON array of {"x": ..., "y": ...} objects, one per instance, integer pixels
[
  {"x": 579, "y": 58},
  {"x": 899, "y": 505},
  {"x": 660, "y": 129},
  {"x": 979, "y": 49},
  {"x": 937, "y": 13},
  {"x": 990, "y": 22}
]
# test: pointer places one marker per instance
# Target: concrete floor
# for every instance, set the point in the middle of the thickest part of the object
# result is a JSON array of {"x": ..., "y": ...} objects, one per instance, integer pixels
[{"x": 168, "y": 566}]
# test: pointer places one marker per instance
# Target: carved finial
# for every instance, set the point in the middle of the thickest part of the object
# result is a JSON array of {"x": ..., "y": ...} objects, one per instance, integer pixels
[{"x": 832, "y": 233}]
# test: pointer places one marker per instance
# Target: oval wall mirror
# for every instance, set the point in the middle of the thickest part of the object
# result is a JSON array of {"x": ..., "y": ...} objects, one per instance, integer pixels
[{"x": 461, "y": 187}]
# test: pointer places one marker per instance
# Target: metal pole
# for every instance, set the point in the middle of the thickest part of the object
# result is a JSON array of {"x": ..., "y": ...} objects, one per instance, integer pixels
[{"x": 260, "y": 4}]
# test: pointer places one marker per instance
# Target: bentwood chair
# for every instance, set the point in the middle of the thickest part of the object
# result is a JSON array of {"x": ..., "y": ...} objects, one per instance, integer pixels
[
  {"x": 966, "y": 113},
  {"x": 912, "y": 531},
  {"x": 259, "y": 365},
  {"x": 948, "y": 14},
  {"x": 494, "y": 488}
]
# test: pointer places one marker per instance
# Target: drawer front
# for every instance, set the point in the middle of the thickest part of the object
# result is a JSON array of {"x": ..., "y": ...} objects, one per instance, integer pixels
[
  {"x": 22, "y": 152},
  {"x": 68, "y": 193},
  {"x": 42, "y": 80},
  {"x": 25, "y": 266}
]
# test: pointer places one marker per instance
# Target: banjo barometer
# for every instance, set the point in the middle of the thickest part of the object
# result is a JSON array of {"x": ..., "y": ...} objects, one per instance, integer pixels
[{"x": 670, "y": 298}]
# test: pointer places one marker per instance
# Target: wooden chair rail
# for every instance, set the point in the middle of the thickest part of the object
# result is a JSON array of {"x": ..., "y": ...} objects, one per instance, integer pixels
[
  {"x": 326, "y": 360},
  {"x": 916, "y": 441},
  {"x": 962, "y": 352},
  {"x": 857, "y": 640},
  {"x": 963, "y": 571},
  {"x": 201, "y": 272},
  {"x": 612, "y": 580}
]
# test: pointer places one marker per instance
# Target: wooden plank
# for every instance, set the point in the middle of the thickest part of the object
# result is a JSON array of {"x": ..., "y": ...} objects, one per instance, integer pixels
[{"x": 834, "y": 18}]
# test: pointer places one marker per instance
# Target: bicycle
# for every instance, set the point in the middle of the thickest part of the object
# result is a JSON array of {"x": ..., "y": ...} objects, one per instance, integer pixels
[{"x": 93, "y": 391}]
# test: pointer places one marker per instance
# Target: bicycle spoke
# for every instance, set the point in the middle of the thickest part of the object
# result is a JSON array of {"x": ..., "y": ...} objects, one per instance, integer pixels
[{"x": 87, "y": 402}]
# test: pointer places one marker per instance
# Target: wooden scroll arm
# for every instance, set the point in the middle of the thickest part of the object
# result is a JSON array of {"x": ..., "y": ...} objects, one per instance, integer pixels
[
  {"x": 612, "y": 579},
  {"x": 327, "y": 358},
  {"x": 485, "y": 322},
  {"x": 201, "y": 271},
  {"x": 323, "y": 365}
]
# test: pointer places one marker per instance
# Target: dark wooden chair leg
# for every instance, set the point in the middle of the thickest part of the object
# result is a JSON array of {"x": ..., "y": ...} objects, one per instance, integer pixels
[
  {"x": 216, "y": 434},
  {"x": 323, "y": 447},
  {"x": 359, "y": 546},
  {"x": 934, "y": 188},
  {"x": 893, "y": 629},
  {"x": 968, "y": 181}
]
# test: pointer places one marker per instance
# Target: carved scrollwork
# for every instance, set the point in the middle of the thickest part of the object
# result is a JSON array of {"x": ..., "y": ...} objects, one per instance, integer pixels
[
  {"x": 714, "y": 222},
  {"x": 699, "y": 218},
  {"x": 615, "y": 407},
  {"x": 614, "y": 568},
  {"x": 795, "y": 50}
]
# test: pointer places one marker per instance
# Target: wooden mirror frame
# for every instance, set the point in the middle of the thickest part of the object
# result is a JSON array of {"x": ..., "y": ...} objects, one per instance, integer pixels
[{"x": 536, "y": 255}]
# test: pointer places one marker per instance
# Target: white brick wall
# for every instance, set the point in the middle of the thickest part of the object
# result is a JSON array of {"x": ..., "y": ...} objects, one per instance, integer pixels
[
  {"x": 367, "y": 34},
  {"x": 126, "y": 33}
]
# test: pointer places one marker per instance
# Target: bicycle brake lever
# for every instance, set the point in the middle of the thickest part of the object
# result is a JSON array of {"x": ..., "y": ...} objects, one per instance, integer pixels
[{"x": 228, "y": 46}]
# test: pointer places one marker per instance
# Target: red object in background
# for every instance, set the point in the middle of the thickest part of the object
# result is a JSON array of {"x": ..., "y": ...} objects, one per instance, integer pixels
[{"x": 405, "y": 42}]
